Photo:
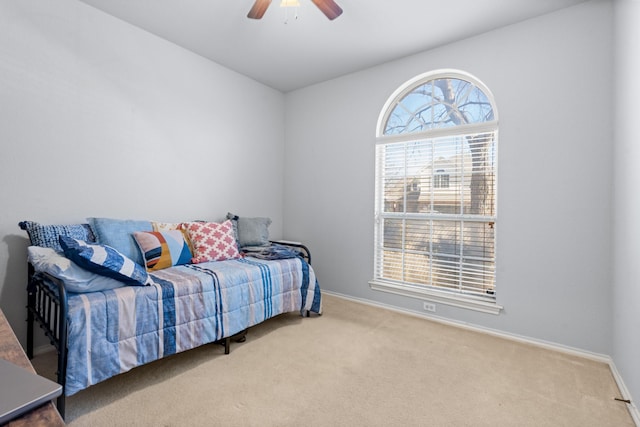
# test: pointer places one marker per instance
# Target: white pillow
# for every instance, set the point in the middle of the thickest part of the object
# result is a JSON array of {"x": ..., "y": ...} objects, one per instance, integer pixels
[{"x": 75, "y": 278}]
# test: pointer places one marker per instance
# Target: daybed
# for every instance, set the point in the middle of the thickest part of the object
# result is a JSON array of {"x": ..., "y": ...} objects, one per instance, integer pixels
[{"x": 114, "y": 294}]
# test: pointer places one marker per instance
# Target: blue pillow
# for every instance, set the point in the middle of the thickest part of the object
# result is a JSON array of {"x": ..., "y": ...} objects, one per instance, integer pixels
[
  {"x": 118, "y": 233},
  {"x": 46, "y": 236},
  {"x": 104, "y": 260}
]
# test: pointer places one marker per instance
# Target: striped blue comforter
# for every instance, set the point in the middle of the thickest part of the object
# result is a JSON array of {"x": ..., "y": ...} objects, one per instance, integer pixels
[{"x": 113, "y": 331}]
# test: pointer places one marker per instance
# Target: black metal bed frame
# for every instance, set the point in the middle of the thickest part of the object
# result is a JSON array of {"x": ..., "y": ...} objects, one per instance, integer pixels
[{"x": 47, "y": 305}]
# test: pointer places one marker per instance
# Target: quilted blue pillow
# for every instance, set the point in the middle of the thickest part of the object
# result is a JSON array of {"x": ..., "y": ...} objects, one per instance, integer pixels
[
  {"x": 118, "y": 233},
  {"x": 104, "y": 260},
  {"x": 46, "y": 236}
]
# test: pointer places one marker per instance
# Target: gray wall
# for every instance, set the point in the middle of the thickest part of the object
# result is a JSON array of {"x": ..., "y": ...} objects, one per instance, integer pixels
[
  {"x": 551, "y": 78},
  {"x": 626, "y": 248},
  {"x": 98, "y": 118}
]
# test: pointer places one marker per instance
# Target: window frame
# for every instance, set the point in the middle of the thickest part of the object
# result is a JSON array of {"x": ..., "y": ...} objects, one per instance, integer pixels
[{"x": 426, "y": 292}]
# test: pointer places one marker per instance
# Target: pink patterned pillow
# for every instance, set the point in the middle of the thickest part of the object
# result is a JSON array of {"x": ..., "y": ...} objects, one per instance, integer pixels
[{"x": 211, "y": 241}]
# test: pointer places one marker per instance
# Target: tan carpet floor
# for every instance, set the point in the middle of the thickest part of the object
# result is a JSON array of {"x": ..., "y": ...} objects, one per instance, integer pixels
[{"x": 355, "y": 365}]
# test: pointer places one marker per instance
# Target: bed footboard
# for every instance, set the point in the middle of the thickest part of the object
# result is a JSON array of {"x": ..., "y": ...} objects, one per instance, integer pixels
[
  {"x": 47, "y": 305},
  {"x": 304, "y": 251}
]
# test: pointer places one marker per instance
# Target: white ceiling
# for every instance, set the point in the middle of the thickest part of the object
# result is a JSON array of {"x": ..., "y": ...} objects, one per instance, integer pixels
[{"x": 311, "y": 49}]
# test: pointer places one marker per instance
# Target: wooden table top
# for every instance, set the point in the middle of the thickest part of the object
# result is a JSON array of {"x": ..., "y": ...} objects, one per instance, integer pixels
[{"x": 11, "y": 350}]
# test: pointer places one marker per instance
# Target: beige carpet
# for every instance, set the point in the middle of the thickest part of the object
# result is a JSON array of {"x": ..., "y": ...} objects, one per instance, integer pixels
[{"x": 356, "y": 366}]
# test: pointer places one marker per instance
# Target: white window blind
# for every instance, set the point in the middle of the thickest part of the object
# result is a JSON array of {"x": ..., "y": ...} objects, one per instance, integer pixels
[{"x": 436, "y": 189}]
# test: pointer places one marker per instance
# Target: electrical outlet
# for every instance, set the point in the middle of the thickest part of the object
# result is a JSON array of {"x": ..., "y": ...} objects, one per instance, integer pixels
[{"x": 429, "y": 306}]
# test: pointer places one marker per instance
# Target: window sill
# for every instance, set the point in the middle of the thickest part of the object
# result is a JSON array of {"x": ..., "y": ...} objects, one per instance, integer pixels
[{"x": 436, "y": 296}]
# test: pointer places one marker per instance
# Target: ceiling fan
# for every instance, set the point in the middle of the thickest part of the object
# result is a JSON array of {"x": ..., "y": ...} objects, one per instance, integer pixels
[{"x": 328, "y": 7}]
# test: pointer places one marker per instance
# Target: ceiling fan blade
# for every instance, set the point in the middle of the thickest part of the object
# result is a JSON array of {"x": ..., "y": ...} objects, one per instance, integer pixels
[
  {"x": 329, "y": 8},
  {"x": 258, "y": 9}
]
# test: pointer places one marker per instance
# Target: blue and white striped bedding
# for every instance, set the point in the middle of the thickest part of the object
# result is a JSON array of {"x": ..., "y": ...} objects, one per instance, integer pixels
[{"x": 112, "y": 331}]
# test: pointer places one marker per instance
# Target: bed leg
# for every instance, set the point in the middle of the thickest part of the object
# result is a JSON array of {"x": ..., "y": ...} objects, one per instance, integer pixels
[
  {"x": 227, "y": 345},
  {"x": 31, "y": 305},
  {"x": 62, "y": 379},
  {"x": 60, "y": 403},
  {"x": 30, "y": 318},
  {"x": 308, "y": 313}
]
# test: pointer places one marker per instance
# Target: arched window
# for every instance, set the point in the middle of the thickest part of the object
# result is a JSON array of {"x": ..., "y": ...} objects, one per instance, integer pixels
[{"x": 435, "y": 213}]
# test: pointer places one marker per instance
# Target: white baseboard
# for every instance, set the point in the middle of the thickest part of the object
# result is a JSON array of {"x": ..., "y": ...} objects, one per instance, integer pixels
[
  {"x": 624, "y": 391},
  {"x": 633, "y": 409}
]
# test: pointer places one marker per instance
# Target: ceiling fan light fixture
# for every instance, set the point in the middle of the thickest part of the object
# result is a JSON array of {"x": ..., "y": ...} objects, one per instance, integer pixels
[
  {"x": 329, "y": 7},
  {"x": 289, "y": 3}
]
